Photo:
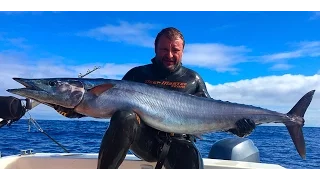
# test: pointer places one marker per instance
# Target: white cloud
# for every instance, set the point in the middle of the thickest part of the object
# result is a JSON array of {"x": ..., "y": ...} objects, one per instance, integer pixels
[
  {"x": 21, "y": 12},
  {"x": 12, "y": 12},
  {"x": 315, "y": 15},
  {"x": 282, "y": 56},
  {"x": 302, "y": 49},
  {"x": 281, "y": 66},
  {"x": 215, "y": 56},
  {"x": 19, "y": 42},
  {"x": 15, "y": 42},
  {"x": 279, "y": 93},
  {"x": 281, "y": 60},
  {"x": 27, "y": 12},
  {"x": 136, "y": 33}
]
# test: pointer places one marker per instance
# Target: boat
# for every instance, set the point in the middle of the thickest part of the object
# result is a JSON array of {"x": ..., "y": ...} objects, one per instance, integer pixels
[
  {"x": 29, "y": 160},
  {"x": 228, "y": 153}
]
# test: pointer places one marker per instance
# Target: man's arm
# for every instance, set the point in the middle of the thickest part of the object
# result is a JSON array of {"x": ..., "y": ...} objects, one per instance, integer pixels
[{"x": 244, "y": 126}]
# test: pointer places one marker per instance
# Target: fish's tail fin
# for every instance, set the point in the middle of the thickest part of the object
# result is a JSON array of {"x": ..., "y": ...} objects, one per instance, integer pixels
[{"x": 295, "y": 127}]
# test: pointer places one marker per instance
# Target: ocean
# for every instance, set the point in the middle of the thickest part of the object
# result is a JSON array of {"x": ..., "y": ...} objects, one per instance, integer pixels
[{"x": 274, "y": 143}]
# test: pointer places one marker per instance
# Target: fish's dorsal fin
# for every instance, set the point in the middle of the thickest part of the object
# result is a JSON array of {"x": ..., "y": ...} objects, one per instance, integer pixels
[{"x": 97, "y": 90}]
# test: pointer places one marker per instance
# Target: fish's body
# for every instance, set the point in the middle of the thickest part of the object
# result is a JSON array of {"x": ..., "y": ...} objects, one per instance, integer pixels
[
  {"x": 171, "y": 111},
  {"x": 165, "y": 110}
]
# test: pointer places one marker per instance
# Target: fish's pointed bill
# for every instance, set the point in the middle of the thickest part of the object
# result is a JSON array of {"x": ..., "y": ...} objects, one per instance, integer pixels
[
  {"x": 21, "y": 81},
  {"x": 37, "y": 95},
  {"x": 28, "y": 83},
  {"x": 27, "y": 91}
]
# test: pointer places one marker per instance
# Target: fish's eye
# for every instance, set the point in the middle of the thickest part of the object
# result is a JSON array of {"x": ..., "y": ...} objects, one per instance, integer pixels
[{"x": 52, "y": 83}]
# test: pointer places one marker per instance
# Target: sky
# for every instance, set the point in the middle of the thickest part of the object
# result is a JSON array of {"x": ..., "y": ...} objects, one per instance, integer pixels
[{"x": 266, "y": 59}]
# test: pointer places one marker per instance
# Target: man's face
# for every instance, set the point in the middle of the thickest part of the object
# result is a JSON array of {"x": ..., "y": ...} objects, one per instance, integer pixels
[{"x": 169, "y": 52}]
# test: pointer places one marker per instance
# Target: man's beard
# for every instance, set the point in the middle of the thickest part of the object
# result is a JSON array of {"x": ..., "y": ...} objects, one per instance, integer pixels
[{"x": 174, "y": 64}]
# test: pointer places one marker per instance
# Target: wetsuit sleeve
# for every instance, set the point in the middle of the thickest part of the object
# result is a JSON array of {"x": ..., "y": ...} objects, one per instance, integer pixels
[{"x": 201, "y": 89}]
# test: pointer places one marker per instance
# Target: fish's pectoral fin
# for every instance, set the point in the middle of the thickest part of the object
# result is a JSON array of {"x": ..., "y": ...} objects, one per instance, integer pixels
[
  {"x": 97, "y": 90},
  {"x": 67, "y": 112}
]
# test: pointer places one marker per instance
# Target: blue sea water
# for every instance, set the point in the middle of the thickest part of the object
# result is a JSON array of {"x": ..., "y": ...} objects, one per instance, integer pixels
[{"x": 273, "y": 142}]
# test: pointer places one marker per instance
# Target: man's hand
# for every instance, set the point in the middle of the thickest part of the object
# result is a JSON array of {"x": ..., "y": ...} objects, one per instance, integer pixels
[
  {"x": 244, "y": 127},
  {"x": 69, "y": 113}
]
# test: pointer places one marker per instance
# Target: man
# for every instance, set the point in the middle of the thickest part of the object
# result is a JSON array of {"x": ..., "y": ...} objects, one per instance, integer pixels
[{"x": 127, "y": 131}]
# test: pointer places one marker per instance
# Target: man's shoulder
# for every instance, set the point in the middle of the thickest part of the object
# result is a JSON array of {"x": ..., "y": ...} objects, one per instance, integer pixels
[
  {"x": 141, "y": 67},
  {"x": 194, "y": 74},
  {"x": 191, "y": 72}
]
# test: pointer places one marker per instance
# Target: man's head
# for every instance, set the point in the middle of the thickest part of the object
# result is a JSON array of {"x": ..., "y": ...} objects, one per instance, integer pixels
[{"x": 169, "y": 46}]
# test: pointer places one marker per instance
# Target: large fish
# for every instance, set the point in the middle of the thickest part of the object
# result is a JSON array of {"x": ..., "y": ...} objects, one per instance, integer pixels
[{"x": 165, "y": 110}]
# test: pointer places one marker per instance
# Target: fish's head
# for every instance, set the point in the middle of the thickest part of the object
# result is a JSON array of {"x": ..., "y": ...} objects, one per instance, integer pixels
[{"x": 67, "y": 93}]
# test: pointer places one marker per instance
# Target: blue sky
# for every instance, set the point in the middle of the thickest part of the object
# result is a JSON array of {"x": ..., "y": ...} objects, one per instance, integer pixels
[{"x": 268, "y": 59}]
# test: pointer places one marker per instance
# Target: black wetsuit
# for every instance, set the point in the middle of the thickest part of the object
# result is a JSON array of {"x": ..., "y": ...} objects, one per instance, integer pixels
[{"x": 126, "y": 131}]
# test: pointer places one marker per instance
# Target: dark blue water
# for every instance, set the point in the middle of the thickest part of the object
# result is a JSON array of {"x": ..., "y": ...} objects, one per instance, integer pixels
[{"x": 274, "y": 143}]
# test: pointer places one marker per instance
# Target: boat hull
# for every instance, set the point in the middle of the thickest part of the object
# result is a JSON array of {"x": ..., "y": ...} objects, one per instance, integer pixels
[{"x": 89, "y": 161}]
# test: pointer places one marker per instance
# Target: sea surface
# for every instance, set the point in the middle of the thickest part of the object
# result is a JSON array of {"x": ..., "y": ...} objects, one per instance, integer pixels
[{"x": 274, "y": 143}]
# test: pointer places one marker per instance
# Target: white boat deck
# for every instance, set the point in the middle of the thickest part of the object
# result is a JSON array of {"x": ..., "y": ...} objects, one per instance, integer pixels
[{"x": 89, "y": 161}]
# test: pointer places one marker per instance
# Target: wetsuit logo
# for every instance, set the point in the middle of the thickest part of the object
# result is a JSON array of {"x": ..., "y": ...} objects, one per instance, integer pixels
[{"x": 181, "y": 85}]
